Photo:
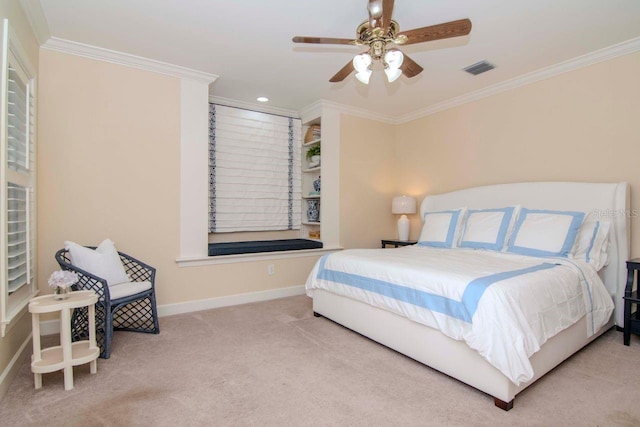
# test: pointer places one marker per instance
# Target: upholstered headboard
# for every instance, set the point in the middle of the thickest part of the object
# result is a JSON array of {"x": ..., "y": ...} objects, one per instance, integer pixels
[{"x": 607, "y": 201}]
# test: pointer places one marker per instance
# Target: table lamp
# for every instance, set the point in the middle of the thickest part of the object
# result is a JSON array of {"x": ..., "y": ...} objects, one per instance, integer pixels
[{"x": 403, "y": 205}]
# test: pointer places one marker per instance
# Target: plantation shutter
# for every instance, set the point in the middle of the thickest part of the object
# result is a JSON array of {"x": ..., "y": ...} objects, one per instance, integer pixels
[
  {"x": 254, "y": 167},
  {"x": 17, "y": 179},
  {"x": 18, "y": 271},
  {"x": 19, "y": 193}
]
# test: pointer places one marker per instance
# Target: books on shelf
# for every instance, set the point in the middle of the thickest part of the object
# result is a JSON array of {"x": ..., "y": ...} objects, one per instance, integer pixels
[{"x": 313, "y": 134}]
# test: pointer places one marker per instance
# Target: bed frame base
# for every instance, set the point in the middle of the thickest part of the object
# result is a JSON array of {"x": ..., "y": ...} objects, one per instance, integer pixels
[{"x": 436, "y": 350}]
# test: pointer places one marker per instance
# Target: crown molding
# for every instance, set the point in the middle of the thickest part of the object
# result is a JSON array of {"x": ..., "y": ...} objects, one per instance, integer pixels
[
  {"x": 38, "y": 22},
  {"x": 311, "y": 112},
  {"x": 263, "y": 108},
  {"x": 314, "y": 109},
  {"x": 605, "y": 54},
  {"x": 358, "y": 112},
  {"x": 101, "y": 54},
  {"x": 620, "y": 49},
  {"x": 35, "y": 15}
]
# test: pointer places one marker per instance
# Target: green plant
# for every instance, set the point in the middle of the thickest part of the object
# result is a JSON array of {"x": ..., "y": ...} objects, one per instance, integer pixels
[{"x": 313, "y": 151}]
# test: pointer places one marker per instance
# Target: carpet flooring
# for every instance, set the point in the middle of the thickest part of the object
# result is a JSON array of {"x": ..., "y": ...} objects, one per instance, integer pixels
[{"x": 274, "y": 364}]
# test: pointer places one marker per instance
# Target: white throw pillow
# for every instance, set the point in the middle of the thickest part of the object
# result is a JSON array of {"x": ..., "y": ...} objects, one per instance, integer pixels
[
  {"x": 440, "y": 229},
  {"x": 103, "y": 262},
  {"x": 545, "y": 233},
  {"x": 487, "y": 228}
]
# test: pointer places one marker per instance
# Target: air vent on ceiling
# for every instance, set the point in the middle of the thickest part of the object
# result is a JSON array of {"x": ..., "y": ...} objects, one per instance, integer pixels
[{"x": 479, "y": 68}]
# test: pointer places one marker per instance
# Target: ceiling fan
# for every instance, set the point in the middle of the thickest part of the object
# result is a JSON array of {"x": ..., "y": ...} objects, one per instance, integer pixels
[{"x": 378, "y": 33}]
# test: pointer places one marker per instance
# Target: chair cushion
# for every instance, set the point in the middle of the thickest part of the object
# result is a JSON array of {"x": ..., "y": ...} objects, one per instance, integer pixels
[
  {"x": 103, "y": 262},
  {"x": 127, "y": 289}
]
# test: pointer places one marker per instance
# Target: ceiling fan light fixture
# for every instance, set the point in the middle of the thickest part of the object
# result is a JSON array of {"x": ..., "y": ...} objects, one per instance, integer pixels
[
  {"x": 361, "y": 63},
  {"x": 392, "y": 74},
  {"x": 380, "y": 30},
  {"x": 364, "y": 76},
  {"x": 393, "y": 58}
]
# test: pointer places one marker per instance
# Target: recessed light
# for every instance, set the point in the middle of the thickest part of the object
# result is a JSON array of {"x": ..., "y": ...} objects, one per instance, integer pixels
[{"x": 262, "y": 99}]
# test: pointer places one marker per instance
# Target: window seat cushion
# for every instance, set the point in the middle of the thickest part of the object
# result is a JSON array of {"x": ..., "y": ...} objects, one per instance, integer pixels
[{"x": 258, "y": 246}]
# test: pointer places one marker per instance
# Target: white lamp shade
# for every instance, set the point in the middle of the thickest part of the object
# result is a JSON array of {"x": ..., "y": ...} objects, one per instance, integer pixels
[
  {"x": 394, "y": 58},
  {"x": 403, "y": 205},
  {"x": 361, "y": 63},
  {"x": 364, "y": 76},
  {"x": 392, "y": 74}
]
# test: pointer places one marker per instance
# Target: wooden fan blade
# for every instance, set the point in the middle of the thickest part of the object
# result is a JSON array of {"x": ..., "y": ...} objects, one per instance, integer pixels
[
  {"x": 410, "y": 68},
  {"x": 387, "y": 11},
  {"x": 322, "y": 40},
  {"x": 461, "y": 27},
  {"x": 343, "y": 73}
]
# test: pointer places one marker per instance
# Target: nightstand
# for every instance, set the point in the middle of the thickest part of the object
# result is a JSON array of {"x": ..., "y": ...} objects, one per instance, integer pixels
[
  {"x": 631, "y": 319},
  {"x": 397, "y": 243}
]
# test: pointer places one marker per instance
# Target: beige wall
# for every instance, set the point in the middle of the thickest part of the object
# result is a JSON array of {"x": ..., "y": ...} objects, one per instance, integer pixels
[
  {"x": 109, "y": 167},
  {"x": 21, "y": 328},
  {"x": 367, "y": 182},
  {"x": 583, "y": 125}
]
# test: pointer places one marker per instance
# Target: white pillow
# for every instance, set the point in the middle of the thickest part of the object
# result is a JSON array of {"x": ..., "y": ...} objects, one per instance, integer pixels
[
  {"x": 440, "y": 229},
  {"x": 103, "y": 262},
  {"x": 487, "y": 228},
  {"x": 592, "y": 243},
  {"x": 545, "y": 233}
]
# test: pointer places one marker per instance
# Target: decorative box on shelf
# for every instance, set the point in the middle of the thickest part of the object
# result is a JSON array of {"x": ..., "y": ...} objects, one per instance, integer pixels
[{"x": 314, "y": 234}]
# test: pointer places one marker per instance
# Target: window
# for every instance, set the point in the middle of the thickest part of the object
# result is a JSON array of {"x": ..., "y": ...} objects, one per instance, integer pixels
[
  {"x": 17, "y": 178},
  {"x": 254, "y": 171}
]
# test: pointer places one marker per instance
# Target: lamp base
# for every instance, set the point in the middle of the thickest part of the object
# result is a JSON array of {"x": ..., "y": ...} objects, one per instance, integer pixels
[{"x": 403, "y": 228}]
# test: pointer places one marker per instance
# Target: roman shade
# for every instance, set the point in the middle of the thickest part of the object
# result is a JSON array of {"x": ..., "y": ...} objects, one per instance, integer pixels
[{"x": 254, "y": 171}]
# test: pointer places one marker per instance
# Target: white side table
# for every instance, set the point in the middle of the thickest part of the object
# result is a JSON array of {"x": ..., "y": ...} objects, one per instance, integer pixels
[{"x": 67, "y": 354}]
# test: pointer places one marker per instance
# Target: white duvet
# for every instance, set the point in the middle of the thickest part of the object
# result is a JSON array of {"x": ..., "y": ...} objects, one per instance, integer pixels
[{"x": 504, "y": 306}]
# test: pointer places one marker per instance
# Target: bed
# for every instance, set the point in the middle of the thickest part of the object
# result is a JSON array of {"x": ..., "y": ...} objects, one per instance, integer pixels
[{"x": 442, "y": 335}]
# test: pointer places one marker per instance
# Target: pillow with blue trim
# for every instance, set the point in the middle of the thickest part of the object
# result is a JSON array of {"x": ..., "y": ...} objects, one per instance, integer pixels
[
  {"x": 440, "y": 229},
  {"x": 487, "y": 228},
  {"x": 545, "y": 233},
  {"x": 592, "y": 243}
]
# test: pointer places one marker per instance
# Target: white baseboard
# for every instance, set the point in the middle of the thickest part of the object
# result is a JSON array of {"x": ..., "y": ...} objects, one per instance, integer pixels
[
  {"x": 206, "y": 304},
  {"x": 12, "y": 368},
  {"x": 51, "y": 327}
]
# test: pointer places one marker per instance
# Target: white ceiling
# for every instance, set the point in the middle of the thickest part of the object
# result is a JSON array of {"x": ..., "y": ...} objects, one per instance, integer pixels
[{"x": 248, "y": 43}]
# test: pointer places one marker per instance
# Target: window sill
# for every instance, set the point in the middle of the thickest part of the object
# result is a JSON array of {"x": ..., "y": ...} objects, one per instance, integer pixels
[
  {"x": 262, "y": 256},
  {"x": 16, "y": 314}
]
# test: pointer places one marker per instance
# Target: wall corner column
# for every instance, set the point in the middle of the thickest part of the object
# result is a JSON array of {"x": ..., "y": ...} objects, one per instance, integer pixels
[{"x": 194, "y": 167}]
